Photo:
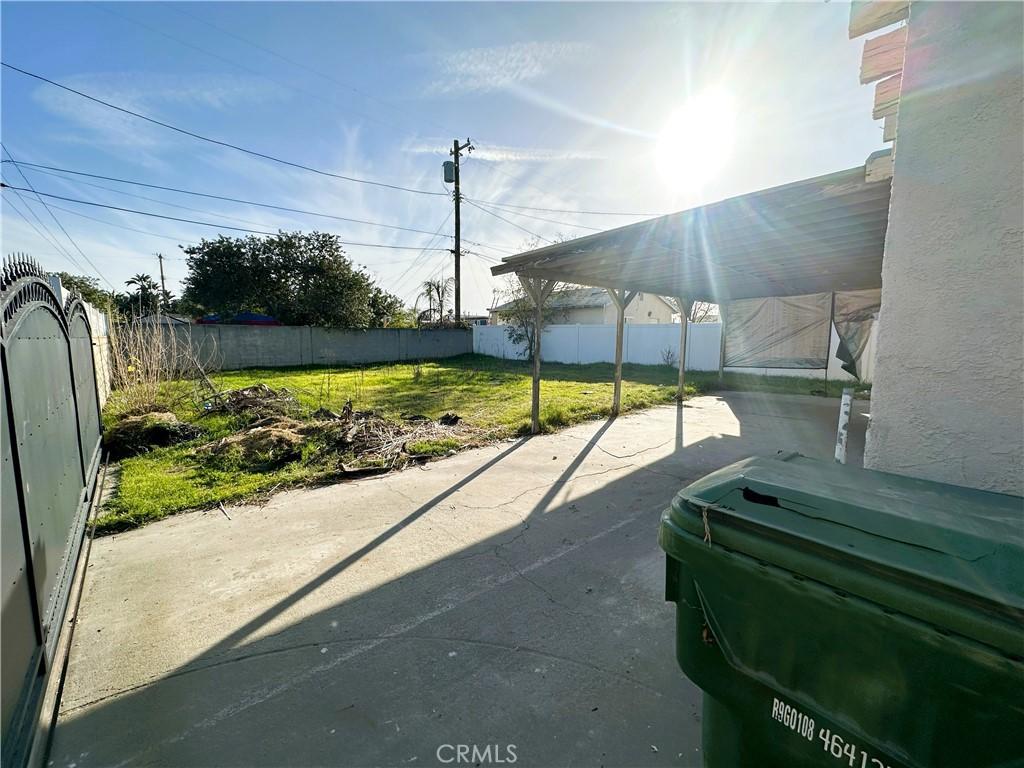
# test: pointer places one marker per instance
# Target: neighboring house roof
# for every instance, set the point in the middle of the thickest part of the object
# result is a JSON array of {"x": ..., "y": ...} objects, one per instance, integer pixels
[{"x": 569, "y": 298}]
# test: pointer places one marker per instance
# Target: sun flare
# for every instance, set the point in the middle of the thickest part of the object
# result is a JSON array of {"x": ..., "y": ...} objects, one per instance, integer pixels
[{"x": 697, "y": 140}]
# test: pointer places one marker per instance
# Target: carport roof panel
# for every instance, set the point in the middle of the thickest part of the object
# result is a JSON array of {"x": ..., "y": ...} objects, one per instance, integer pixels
[{"x": 811, "y": 236}]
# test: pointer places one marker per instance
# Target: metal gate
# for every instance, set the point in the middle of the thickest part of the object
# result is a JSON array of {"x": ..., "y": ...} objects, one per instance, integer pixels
[{"x": 50, "y": 433}]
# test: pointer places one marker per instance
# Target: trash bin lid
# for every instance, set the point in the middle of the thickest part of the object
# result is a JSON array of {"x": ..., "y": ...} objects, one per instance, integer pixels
[{"x": 962, "y": 545}]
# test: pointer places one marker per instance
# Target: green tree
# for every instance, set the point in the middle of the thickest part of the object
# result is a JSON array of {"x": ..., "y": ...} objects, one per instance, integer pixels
[
  {"x": 405, "y": 317},
  {"x": 296, "y": 277},
  {"x": 387, "y": 308},
  {"x": 86, "y": 287},
  {"x": 144, "y": 297},
  {"x": 168, "y": 301}
]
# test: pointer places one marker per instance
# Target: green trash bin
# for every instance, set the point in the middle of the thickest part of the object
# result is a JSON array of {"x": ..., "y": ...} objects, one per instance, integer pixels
[{"x": 844, "y": 617}]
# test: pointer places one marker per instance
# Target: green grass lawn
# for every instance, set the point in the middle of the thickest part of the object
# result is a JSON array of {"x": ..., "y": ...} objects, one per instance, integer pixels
[{"x": 489, "y": 394}]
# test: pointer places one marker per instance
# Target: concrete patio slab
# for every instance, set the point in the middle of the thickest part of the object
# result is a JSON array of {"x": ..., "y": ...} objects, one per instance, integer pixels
[{"x": 508, "y": 597}]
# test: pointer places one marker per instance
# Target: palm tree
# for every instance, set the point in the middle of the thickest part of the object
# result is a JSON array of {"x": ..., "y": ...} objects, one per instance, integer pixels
[
  {"x": 436, "y": 292},
  {"x": 145, "y": 288}
]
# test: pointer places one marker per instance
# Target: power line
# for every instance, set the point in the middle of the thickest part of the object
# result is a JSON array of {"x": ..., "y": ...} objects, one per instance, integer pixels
[
  {"x": 494, "y": 167},
  {"x": 51, "y": 241},
  {"x": 294, "y": 63},
  {"x": 316, "y": 98},
  {"x": 438, "y": 271},
  {"x": 207, "y": 223},
  {"x": 290, "y": 163},
  {"x": 146, "y": 198},
  {"x": 502, "y": 248},
  {"x": 402, "y": 277},
  {"x": 224, "y": 198},
  {"x": 483, "y": 257},
  {"x": 218, "y": 142},
  {"x": 52, "y": 238},
  {"x": 566, "y": 210},
  {"x": 57, "y": 172},
  {"x": 119, "y": 226},
  {"x": 540, "y": 218},
  {"x": 54, "y": 217},
  {"x": 502, "y": 218},
  {"x": 417, "y": 120},
  {"x": 42, "y": 230}
]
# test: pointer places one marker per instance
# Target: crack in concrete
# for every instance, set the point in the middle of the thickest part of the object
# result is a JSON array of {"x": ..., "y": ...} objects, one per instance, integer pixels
[
  {"x": 256, "y": 696},
  {"x": 555, "y": 482},
  {"x": 589, "y": 441},
  {"x": 543, "y": 590},
  {"x": 512, "y": 648}
]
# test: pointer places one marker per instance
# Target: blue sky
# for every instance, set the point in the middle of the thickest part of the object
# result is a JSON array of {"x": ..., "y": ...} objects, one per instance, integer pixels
[{"x": 607, "y": 107}]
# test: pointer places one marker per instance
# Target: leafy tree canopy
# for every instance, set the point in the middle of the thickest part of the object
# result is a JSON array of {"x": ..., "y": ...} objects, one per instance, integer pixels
[
  {"x": 299, "y": 278},
  {"x": 87, "y": 287},
  {"x": 144, "y": 296}
]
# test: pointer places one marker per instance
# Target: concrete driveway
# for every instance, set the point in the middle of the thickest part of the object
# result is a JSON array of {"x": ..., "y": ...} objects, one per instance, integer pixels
[{"x": 508, "y": 598}]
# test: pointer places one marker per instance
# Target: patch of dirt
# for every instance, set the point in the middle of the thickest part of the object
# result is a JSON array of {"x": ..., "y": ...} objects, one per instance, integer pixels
[
  {"x": 267, "y": 443},
  {"x": 133, "y": 435}
]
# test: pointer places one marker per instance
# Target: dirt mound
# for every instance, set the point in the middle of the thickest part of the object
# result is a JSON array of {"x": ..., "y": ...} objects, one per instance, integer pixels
[
  {"x": 135, "y": 434},
  {"x": 267, "y": 443}
]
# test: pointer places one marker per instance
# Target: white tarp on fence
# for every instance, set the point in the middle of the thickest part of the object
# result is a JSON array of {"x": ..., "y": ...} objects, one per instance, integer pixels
[{"x": 645, "y": 344}]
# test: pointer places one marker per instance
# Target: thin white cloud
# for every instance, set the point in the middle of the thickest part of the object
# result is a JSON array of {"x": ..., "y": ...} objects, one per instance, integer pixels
[
  {"x": 502, "y": 153},
  {"x": 500, "y": 67},
  {"x": 148, "y": 94}
]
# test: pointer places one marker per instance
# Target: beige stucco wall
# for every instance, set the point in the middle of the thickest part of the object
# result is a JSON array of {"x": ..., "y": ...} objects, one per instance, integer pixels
[
  {"x": 948, "y": 396},
  {"x": 645, "y": 308},
  {"x": 581, "y": 315}
]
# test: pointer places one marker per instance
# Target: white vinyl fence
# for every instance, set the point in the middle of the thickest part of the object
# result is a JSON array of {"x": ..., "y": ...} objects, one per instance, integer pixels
[
  {"x": 642, "y": 344},
  {"x": 645, "y": 344}
]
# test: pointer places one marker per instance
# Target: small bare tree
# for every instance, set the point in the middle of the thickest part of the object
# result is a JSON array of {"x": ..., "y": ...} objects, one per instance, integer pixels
[
  {"x": 519, "y": 314},
  {"x": 520, "y": 317},
  {"x": 704, "y": 312}
]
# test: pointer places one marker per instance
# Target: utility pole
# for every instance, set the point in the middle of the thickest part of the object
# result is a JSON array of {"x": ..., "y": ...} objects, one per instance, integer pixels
[
  {"x": 456, "y": 152},
  {"x": 163, "y": 284}
]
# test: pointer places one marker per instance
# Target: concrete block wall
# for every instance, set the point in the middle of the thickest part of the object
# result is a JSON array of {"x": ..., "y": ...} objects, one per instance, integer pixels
[
  {"x": 232, "y": 347},
  {"x": 948, "y": 397},
  {"x": 102, "y": 356}
]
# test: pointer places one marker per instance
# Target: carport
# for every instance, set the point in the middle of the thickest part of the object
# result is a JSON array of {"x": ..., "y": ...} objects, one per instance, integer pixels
[{"x": 819, "y": 235}]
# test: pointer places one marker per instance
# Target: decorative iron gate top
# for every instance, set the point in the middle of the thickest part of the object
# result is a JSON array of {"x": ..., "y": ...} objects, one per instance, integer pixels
[{"x": 23, "y": 283}]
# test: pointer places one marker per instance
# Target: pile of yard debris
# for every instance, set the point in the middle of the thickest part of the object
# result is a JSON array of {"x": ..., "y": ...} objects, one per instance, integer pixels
[
  {"x": 258, "y": 400},
  {"x": 276, "y": 429},
  {"x": 361, "y": 441}
]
